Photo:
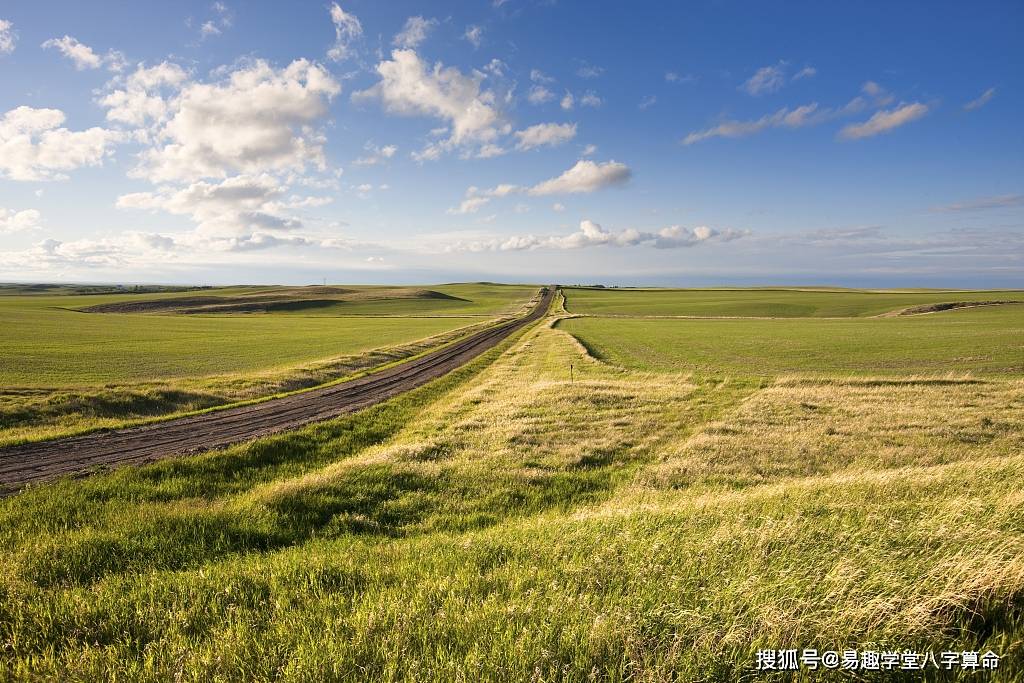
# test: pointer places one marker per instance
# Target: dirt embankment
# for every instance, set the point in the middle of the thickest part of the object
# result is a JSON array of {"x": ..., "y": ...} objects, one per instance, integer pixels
[
  {"x": 75, "y": 456},
  {"x": 297, "y": 299},
  {"x": 944, "y": 306}
]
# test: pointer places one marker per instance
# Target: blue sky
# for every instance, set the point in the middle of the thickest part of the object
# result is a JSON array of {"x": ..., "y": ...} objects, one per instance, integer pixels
[{"x": 865, "y": 144}]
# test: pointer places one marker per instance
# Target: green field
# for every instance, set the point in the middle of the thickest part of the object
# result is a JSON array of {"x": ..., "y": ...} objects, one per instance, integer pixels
[
  {"x": 718, "y": 487},
  {"x": 64, "y": 368},
  {"x": 778, "y": 303},
  {"x": 987, "y": 341}
]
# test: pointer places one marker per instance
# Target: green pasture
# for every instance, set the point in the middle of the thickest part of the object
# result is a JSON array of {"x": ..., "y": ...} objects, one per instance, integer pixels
[
  {"x": 984, "y": 341},
  {"x": 777, "y": 303}
]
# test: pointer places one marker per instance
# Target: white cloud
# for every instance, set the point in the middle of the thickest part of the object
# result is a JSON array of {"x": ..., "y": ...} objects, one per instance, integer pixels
[
  {"x": 647, "y": 102},
  {"x": 17, "y": 221},
  {"x": 585, "y": 176},
  {"x": 545, "y": 134},
  {"x": 806, "y": 72},
  {"x": 470, "y": 205},
  {"x": 375, "y": 155},
  {"x": 539, "y": 95},
  {"x": 414, "y": 32},
  {"x": 8, "y": 37},
  {"x": 141, "y": 98},
  {"x": 767, "y": 79},
  {"x": 591, "y": 234},
  {"x": 234, "y": 207},
  {"x": 884, "y": 121},
  {"x": 558, "y": 206},
  {"x": 82, "y": 55},
  {"x": 35, "y": 146},
  {"x": 475, "y": 35},
  {"x": 256, "y": 119},
  {"x": 806, "y": 115},
  {"x": 591, "y": 99},
  {"x": 879, "y": 95},
  {"x": 675, "y": 77},
  {"x": 589, "y": 150},
  {"x": 409, "y": 86},
  {"x": 589, "y": 71},
  {"x": 538, "y": 76},
  {"x": 568, "y": 101},
  {"x": 346, "y": 30},
  {"x": 981, "y": 100}
]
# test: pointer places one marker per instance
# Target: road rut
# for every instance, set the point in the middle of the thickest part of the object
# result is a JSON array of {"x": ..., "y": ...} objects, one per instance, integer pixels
[{"x": 79, "y": 455}]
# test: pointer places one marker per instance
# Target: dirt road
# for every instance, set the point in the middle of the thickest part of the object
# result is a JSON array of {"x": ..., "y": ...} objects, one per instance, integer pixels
[{"x": 20, "y": 465}]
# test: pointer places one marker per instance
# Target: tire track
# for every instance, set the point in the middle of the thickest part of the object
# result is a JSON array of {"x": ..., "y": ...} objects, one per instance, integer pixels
[{"x": 78, "y": 455}]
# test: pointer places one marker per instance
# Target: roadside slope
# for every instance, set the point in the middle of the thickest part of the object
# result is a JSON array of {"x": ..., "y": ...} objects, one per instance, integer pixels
[{"x": 46, "y": 460}]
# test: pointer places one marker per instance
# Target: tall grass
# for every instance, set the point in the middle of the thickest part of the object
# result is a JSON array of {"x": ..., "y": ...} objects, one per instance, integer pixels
[{"x": 528, "y": 525}]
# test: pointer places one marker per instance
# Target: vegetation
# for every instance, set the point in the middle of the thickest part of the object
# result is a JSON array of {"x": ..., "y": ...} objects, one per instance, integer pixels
[
  {"x": 985, "y": 341},
  {"x": 63, "y": 370},
  {"x": 513, "y": 521},
  {"x": 767, "y": 302}
]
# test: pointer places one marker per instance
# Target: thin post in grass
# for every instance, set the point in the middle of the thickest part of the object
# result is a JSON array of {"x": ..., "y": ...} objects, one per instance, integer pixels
[{"x": 572, "y": 379}]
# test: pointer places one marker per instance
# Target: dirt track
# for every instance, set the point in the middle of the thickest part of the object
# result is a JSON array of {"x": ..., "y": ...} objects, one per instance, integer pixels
[{"x": 20, "y": 465}]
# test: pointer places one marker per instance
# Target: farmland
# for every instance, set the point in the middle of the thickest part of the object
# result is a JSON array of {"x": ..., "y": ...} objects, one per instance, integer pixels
[{"x": 695, "y": 490}]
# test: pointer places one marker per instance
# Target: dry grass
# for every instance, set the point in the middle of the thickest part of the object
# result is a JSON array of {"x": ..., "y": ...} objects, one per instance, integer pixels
[{"x": 623, "y": 526}]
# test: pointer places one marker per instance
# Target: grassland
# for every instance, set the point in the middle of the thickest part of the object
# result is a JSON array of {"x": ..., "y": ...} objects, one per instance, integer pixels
[
  {"x": 986, "y": 341},
  {"x": 64, "y": 369},
  {"x": 511, "y": 522},
  {"x": 779, "y": 303}
]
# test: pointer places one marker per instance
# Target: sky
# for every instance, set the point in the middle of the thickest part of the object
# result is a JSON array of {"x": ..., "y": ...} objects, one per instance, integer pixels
[{"x": 647, "y": 143}]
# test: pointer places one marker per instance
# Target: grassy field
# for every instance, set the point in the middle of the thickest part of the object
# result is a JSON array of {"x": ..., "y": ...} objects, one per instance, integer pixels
[
  {"x": 778, "y": 303},
  {"x": 985, "y": 341},
  {"x": 63, "y": 369},
  {"x": 512, "y": 523}
]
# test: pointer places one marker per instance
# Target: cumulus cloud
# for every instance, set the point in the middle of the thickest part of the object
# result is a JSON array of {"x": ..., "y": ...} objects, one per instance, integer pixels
[
  {"x": 257, "y": 118},
  {"x": 83, "y": 56},
  {"x": 375, "y": 155},
  {"x": 884, "y": 121},
  {"x": 409, "y": 86},
  {"x": 8, "y": 37},
  {"x": 538, "y": 94},
  {"x": 767, "y": 79},
  {"x": 347, "y": 29},
  {"x": 18, "y": 221},
  {"x": 141, "y": 98},
  {"x": 34, "y": 145},
  {"x": 568, "y": 101},
  {"x": 236, "y": 206},
  {"x": 589, "y": 71},
  {"x": 538, "y": 76},
  {"x": 414, "y": 32},
  {"x": 585, "y": 176},
  {"x": 591, "y": 234},
  {"x": 981, "y": 100},
  {"x": 542, "y": 134},
  {"x": 591, "y": 99},
  {"x": 475, "y": 35}
]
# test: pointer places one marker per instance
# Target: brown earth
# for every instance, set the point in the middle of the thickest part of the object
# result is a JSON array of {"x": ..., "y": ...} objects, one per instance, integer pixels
[
  {"x": 77, "y": 456},
  {"x": 283, "y": 300},
  {"x": 944, "y": 306}
]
